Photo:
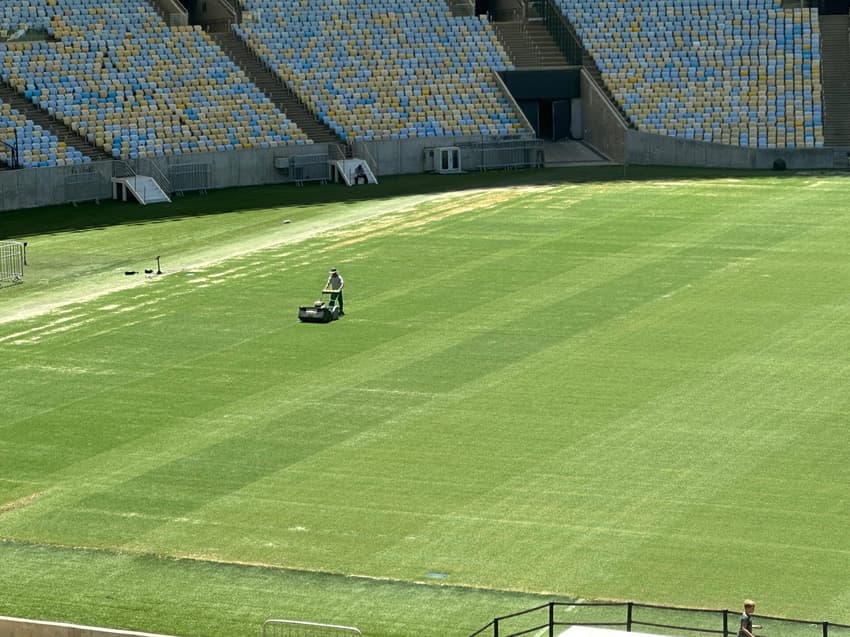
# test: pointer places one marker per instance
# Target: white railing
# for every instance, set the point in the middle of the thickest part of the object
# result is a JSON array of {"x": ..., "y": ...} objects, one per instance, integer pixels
[
  {"x": 160, "y": 177},
  {"x": 287, "y": 627}
]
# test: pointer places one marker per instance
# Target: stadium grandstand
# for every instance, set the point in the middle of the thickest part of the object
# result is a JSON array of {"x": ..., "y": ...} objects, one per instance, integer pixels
[
  {"x": 386, "y": 69},
  {"x": 744, "y": 74},
  {"x": 289, "y": 90}
]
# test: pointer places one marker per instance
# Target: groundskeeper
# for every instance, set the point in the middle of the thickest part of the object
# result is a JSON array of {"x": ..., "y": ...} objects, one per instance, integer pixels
[{"x": 334, "y": 285}]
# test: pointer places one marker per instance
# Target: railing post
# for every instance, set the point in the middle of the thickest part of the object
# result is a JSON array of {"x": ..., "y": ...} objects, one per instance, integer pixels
[
  {"x": 826, "y": 629},
  {"x": 496, "y": 627},
  {"x": 552, "y": 619},
  {"x": 629, "y": 616},
  {"x": 725, "y": 622}
]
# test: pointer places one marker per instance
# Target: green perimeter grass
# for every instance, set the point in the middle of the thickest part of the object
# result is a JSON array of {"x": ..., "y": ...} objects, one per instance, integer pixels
[{"x": 597, "y": 389}]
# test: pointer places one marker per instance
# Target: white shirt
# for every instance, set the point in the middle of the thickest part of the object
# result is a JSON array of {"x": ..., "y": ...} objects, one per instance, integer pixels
[{"x": 335, "y": 282}]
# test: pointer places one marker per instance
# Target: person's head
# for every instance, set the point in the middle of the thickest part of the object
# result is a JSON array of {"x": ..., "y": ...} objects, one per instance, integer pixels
[
  {"x": 334, "y": 272},
  {"x": 749, "y": 606}
]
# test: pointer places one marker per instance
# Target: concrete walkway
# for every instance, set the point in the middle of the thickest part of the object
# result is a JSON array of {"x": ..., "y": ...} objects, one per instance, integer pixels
[{"x": 570, "y": 152}]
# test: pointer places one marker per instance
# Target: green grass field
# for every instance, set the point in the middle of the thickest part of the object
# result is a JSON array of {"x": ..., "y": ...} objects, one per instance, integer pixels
[{"x": 556, "y": 385}]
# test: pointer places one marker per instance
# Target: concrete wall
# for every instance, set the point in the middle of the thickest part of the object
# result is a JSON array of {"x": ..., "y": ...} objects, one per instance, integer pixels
[
  {"x": 602, "y": 126},
  {"x": 660, "y": 150},
  {"x": 36, "y": 187},
  {"x": 12, "y": 627},
  {"x": 504, "y": 10},
  {"x": 253, "y": 167},
  {"x": 406, "y": 156},
  {"x": 551, "y": 84}
]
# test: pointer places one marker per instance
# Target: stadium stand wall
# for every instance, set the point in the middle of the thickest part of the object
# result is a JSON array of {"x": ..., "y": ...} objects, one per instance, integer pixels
[
  {"x": 661, "y": 150},
  {"x": 31, "y": 188},
  {"x": 417, "y": 115},
  {"x": 603, "y": 126}
]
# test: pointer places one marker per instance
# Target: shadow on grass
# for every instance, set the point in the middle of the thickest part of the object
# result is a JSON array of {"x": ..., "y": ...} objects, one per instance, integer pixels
[{"x": 66, "y": 218}]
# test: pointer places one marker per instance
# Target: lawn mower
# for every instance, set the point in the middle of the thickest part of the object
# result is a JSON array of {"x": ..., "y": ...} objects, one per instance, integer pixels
[{"x": 320, "y": 312}]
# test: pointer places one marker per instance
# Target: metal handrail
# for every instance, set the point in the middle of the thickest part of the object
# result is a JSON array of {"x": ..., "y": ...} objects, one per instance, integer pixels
[
  {"x": 15, "y": 163},
  {"x": 230, "y": 8},
  {"x": 335, "y": 152},
  {"x": 160, "y": 177},
  {"x": 118, "y": 165},
  {"x": 726, "y": 628},
  {"x": 369, "y": 158},
  {"x": 562, "y": 31},
  {"x": 122, "y": 169}
]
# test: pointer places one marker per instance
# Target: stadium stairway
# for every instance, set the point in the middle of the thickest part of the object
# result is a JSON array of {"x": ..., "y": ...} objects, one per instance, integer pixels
[
  {"x": 277, "y": 91},
  {"x": 64, "y": 133},
  {"x": 530, "y": 45},
  {"x": 462, "y": 7},
  {"x": 835, "y": 60}
]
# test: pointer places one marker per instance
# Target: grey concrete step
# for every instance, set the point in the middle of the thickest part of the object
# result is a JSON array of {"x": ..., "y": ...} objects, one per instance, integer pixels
[
  {"x": 835, "y": 83},
  {"x": 49, "y": 123},
  {"x": 529, "y": 45},
  {"x": 274, "y": 88}
]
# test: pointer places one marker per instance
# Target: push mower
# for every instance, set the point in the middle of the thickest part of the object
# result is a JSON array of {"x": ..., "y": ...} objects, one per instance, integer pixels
[{"x": 320, "y": 312}]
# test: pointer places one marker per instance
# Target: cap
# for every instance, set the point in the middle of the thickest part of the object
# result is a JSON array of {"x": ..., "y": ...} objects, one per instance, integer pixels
[{"x": 333, "y": 271}]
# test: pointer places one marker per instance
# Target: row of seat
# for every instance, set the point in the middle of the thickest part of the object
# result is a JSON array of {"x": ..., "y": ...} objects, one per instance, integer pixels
[
  {"x": 747, "y": 74},
  {"x": 372, "y": 70},
  {"x": 717, "y": 70},
  {"x": 116, "y": 63},
  {"x": 30, "y": 144}
]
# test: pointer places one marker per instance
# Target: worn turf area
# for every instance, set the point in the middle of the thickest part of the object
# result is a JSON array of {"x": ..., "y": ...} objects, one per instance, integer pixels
[{"x": 601, "y": 390}]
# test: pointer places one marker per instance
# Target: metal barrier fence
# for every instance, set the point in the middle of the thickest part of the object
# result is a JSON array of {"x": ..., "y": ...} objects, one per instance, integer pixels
[
  {"x": 190, "y": 178},
  {"x": 12, "y": 261},
  {"x": 84, "y": 184},
  {"x": 552, "y": 618},
  {"x": 309, "y": 168},
  {"x": 503, "y": 155},
  {"x": 122, "y": 169}
]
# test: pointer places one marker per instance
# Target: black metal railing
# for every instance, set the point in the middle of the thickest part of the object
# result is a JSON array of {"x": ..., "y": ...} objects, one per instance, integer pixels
[
  {"x": 663, "y": 620},
  {"x": 14, "y": 159},
  {"x": 559, "y": 28}
]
